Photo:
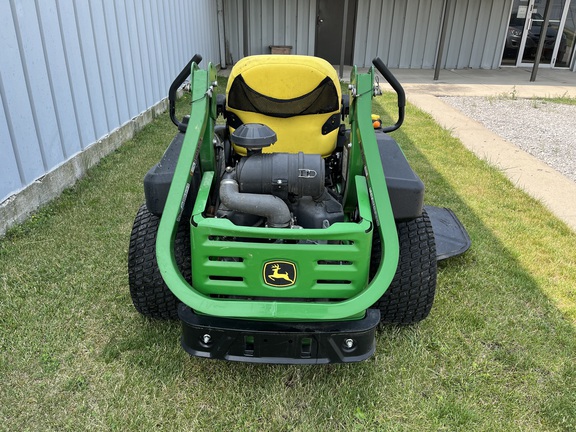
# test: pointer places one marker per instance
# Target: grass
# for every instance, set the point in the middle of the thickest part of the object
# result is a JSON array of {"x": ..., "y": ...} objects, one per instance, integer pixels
[
  {"x": 498, "y": 351},
  {"x": 563, "y": 99}
]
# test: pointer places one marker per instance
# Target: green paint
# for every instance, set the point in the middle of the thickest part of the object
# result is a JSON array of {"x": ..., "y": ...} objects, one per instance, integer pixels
[{"x": 292, "y": 264}]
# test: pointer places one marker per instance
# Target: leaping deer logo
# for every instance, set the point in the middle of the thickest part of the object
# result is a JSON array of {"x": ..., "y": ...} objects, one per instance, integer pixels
[{"x": 279, "y": 273}]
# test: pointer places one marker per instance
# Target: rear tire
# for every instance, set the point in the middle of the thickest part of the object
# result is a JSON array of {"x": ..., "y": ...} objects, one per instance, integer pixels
[
  {"x": 410, "y": 296},
  {"x": 150, "y": 295}
]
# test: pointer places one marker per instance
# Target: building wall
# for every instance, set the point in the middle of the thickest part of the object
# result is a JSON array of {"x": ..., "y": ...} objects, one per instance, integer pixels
[
  {"x": 405, "y": 34},
  {"x": 71, "y": 72},
  {"x": 253, "y": 25}
]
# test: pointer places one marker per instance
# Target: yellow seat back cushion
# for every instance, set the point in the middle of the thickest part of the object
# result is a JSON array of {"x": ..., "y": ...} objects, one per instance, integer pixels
[{"x": 288, "y": 77}]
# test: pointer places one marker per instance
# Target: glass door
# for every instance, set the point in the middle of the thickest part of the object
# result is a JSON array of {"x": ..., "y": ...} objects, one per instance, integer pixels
[
  {"x": 524, "y": 33},
  {"x": 554, "y": 35}
]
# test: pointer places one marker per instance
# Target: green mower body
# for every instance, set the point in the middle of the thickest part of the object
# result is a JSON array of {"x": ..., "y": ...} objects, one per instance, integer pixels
[{"x": 284, "y": 256}]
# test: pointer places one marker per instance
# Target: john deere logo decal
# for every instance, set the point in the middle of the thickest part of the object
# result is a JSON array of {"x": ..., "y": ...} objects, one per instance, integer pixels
[{"x": 279, "y": 273}]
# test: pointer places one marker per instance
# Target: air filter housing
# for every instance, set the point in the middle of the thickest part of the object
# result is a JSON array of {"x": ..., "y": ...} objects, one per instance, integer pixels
[{"x": 253, "y": 137}]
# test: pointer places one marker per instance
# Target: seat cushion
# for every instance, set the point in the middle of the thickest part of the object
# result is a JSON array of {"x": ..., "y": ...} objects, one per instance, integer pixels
[{"x": 298, "y": 97}]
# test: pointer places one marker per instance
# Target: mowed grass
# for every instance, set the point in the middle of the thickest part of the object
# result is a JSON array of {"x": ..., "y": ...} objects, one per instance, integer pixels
[{"x": 498, "y": 351}]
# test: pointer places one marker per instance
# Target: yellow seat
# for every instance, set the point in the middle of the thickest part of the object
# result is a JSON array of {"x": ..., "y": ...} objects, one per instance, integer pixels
[{"x": 298, "y": 97}]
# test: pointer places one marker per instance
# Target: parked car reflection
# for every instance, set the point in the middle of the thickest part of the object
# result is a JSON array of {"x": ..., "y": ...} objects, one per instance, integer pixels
[{"x": 514, "y": 38}]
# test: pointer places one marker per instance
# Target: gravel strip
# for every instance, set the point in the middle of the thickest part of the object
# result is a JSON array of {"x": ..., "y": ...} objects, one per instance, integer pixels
[{"x": 545, "y": 130}]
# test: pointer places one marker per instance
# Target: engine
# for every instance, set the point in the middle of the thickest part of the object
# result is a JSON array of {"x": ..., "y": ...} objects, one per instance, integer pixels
[{"x": 276, "y": 189}]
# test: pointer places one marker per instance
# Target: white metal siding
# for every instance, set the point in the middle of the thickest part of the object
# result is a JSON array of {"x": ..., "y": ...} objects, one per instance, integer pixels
[
  {"x": 73, "y": 71},
  {"x": 405, "y": 34},
  {"x": 276, "y": 22},
  {"x": 477, "y": 32}
]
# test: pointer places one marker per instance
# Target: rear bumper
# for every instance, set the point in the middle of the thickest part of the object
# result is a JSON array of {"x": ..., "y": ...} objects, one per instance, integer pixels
[{"x": 278, "y": 342}]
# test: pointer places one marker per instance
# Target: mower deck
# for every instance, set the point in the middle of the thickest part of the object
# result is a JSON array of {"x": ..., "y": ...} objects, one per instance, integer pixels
[{"x": 450, "y": 235}]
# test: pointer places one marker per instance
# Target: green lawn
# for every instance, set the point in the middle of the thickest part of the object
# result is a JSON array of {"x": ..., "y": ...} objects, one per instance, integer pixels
[{"x": 498, "y": 351}]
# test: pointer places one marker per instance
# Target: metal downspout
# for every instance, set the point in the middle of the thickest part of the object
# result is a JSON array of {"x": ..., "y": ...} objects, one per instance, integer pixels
[
  {"x": 541, "y": 42},
  {"x": 441, "y": 42}
]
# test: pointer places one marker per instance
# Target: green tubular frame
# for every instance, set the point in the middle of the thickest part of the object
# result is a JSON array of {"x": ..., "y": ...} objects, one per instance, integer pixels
[{"x": 366, "y": 185}]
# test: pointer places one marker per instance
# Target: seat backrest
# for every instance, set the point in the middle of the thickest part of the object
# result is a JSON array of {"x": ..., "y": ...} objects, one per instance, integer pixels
[{"x": 298, "y": 97}]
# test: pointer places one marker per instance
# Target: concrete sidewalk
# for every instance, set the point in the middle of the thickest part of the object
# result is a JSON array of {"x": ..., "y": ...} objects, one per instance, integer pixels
[
  {"x": 490, "y": 82},
  {"x": 524, "y": 170}
]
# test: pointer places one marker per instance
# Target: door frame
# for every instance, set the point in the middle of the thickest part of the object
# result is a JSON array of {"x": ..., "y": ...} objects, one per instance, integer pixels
[{"x": 528, "y": 25}]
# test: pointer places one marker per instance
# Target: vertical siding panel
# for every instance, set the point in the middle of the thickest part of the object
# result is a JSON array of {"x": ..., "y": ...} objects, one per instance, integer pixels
[
  {"x": 104, "y": 65},
  {"x": 144, "y": 62},
  {"x": 248, "y": 10},
  {"x": 9, "y": 168},
  {"x": 453, "y": 34},
  {"x": 76, "y": 79},
  {"x": 62, "y": 100},
  {"x": 302, "y": 10},
  {"x": 165, "y": 42},
  {"x": 35, "y": 76},
  {"x": 177, "y": 9},
  {"x": 172, "y": 33},
  {"x": 84, "y": 28},
  {"x": 202, "y": 39},
  {"x": 117, "y": 67},
  {"x": 153, "y": 62},
  {"x": 135, "y": 58},
  {"x": 186, "y": 20},
  {"x": 409, "y": 35},
  {"x": 234, "y": 21},
  {"x": 133, "y": 95},
  {"x": 230, "y": 31},
  {"x": 397, "y": 32},
  {"x": 385, "y": 32},
  {"x": 470, "y": 25},
  {"x": 372, "y": 32},
  {"x": 290, "y": 23},
  {"x": 242, "y": 10},
  {"x": 432, "y": 35},
  {"x": 479, "y": 45},
  {"x": 266, "y": 14},
  {"x": 193, "y": 21},
  {"x": 497, "y": 30},
  {"x": 360, "y": 47},
  {"x": 231, "y": 36},
  {"x": 159, "y": 52},
  {"x": 420, "y": 34},
  {"x": 16, "y": 102},
  {"x": 211, "y": 12},
  {"x": 184, "y": 57},
  {"x": 301, "y": 27},
  {"x": 278, "y": 28}
]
